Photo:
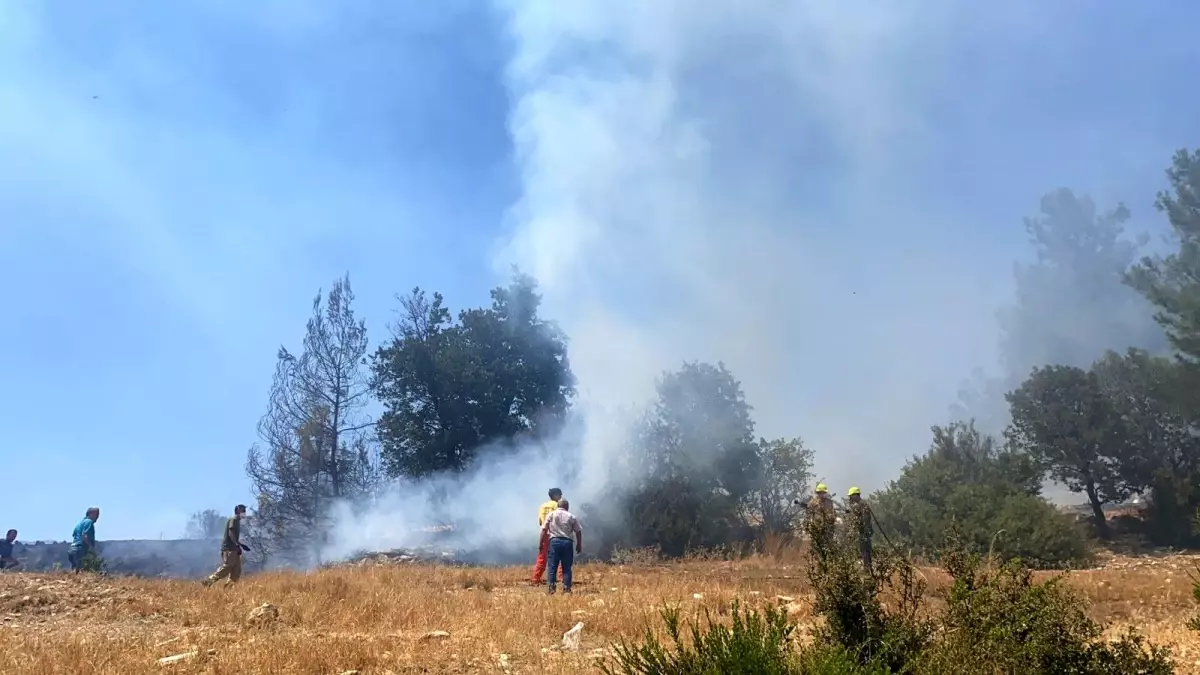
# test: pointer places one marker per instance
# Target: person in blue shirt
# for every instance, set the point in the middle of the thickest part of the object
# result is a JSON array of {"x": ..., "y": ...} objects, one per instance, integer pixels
[{"x": 83, "y": 539}]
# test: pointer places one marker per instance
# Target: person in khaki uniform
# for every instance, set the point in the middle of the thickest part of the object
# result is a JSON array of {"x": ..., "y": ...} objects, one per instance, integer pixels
[
  {"x": 821, "y": 520},
  {"x": 231, "y": 549},
  {"x": 861, "y": 526}
]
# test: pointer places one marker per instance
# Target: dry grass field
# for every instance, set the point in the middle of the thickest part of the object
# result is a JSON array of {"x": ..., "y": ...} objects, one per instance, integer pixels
[{"x": 377, "y": 619}]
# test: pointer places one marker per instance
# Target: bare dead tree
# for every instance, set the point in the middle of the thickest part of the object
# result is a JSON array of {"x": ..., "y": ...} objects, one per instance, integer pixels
[{"x": 315, "y": 433}]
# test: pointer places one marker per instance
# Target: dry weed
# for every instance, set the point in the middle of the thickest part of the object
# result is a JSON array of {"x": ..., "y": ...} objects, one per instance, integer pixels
[{"x": 379, "y": 619}]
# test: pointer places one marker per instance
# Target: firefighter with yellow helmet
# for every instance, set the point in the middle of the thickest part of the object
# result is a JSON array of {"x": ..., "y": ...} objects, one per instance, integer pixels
[
  {"x": 821, "y": 519},
  {"x": 861, "y": 525}
]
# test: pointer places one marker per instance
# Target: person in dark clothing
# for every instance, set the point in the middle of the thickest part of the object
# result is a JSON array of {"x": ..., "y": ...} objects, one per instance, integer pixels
[
  {"x": 231, "y": 549},
  {"x": 861, "y": 525},
  {"x": 7, "y": 560}
]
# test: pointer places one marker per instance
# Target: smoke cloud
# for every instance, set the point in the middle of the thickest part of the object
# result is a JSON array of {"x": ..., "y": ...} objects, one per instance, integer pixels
[{"x": 826, "y": 196}]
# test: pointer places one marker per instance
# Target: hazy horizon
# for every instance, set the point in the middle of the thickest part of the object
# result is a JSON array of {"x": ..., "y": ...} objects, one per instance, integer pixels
[{"x": 826, "y": 196}]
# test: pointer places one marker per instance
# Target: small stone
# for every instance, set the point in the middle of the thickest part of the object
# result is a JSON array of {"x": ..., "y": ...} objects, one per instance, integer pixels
[
  {"x": 697, "y": 596},
  {"x": 435, "y": 635},
  {"x": 350, "y": 672}
]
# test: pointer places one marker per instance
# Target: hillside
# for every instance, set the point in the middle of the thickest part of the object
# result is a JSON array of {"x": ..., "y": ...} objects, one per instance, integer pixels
[{"x": 375, "y": 618}]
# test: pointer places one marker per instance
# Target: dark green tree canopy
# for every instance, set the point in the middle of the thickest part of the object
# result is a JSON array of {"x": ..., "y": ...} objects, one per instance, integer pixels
[
  {"x": 449, "y": 388},
  {"x": 989, "y": 496},
  {"x": 1062, "y": 418},
  {"x": 1172, "y": 282}
]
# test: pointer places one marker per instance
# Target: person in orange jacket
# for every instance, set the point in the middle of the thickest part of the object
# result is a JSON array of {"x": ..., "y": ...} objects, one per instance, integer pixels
[{"x": 539, "y": 567}]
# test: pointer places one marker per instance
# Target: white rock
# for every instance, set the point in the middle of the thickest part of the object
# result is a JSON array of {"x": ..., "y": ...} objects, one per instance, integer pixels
[
  {"x": 435, "y": 635},
  {"x": 168, "y": 660},
  {"x": 573, "y": 639}
]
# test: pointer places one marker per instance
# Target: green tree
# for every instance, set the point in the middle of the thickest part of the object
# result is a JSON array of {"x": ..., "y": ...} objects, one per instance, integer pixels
[
  {"x": 450, "y": 389},
  {"x": 697, "y": 460},
  {"x": 1072, "y": 303},
  {"x": 987, "y": 495},
  {"x": 1172, "y": 282},
  {"x": 315, "y": 429},
  {"x": 1161, "y": 453},
  {"x": 785, "y": 467},
  {"x": 1062, "y": 418}
]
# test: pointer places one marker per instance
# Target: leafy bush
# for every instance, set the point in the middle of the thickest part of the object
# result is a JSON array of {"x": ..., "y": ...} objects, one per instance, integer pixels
[
  {"x": 856, "y": 622},
  {"x": 753, "y": 644},
  {"x": 998, "y": 620},
  {"x": 92, "y": 562},
  {"x": 967, "y": 484}
]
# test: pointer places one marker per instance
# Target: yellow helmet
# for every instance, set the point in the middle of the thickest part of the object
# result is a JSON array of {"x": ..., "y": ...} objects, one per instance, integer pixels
[
  {"x": 821, "y": 488},
  {"x": 853, "y": 491}
]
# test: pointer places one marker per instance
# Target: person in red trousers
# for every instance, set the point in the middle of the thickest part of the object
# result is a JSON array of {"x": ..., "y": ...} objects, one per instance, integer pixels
[{"x": 539, "y": 567}]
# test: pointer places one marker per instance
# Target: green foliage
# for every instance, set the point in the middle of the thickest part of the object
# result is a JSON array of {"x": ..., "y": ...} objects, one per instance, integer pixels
[
  {"x": 998, "y": 620},
  {"x": 1072, "y": 302},
  {"x": 785, "y": 467},
  {"x": 967, "y": 484},
  {"x": 1172, "y": 282},
  {"x": 1064, "y": 421},
  {"x": 450, "y": 389},
  {"x": 848, "y": 598},
  {"x": 752, "y": 644},
  {"x": 696, "y": 464},
  {"x": 92, "y": 562}
]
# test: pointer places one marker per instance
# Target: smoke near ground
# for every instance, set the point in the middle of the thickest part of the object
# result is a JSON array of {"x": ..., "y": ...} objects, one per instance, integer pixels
[
  {"x": 737, "y": 183},
  {"x": 819, "y": 194},
  {"x": 825, "y": 195}
]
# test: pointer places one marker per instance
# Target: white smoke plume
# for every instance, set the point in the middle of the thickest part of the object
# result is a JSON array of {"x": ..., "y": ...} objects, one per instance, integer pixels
[{"x": 792, "y": 188}]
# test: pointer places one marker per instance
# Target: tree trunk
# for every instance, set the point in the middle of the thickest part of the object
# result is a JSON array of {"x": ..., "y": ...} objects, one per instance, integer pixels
[
  {"x": 1098, "y": 513},
  {"x": 334, "y": 472}
]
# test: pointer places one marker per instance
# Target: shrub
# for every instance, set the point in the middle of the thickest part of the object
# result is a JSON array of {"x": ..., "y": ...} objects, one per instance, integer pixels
[
  {"x": 847, "y": 596},
  {"x": 752, "y": 644},
  {"x": 92, "y": 562},
  {"x": 968, "y": 484},
  {"x": 998, "y": 620}
]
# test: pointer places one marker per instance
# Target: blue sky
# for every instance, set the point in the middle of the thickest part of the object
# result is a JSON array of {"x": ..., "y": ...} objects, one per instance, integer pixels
[{"x": 827, "y": 195}]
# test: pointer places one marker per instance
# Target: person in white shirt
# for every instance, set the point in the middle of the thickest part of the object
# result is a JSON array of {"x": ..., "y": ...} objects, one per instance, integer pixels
[{"x": 561, "y": 527}]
